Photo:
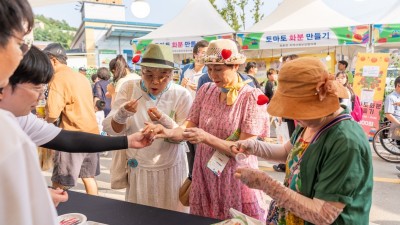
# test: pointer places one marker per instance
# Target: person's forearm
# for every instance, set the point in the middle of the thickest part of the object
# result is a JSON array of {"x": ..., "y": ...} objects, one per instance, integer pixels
[
  {"x": 118, "y": 128},
  {"x": 75, "y": 141},
  {"x": 265, "y": 150},
  {"x": 391, "y": 118},
  {"x": 220, "y": 145},
  {"x": 314, "y": 210}
]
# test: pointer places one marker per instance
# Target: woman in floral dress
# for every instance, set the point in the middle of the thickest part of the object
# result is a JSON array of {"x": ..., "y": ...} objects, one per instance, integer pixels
[{"x": 223, "y": 111}]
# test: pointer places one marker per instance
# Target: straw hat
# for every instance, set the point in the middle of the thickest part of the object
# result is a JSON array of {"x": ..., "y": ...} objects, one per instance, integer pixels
[
  {"x": 223, "y": 51},
  {"x": 306, "y": 91},
  {"x": 158, "y": 56}
]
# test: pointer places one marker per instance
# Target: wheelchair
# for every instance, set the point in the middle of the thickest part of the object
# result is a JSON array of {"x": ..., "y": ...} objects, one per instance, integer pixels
[{"x": 384, "y": 146}]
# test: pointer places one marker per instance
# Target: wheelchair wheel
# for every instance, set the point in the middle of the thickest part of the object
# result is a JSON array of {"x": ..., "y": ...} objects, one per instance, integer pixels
[{"x": 385, "y": 147}]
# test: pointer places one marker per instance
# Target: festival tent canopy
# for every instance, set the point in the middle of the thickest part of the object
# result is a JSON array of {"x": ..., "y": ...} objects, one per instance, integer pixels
[
  {"x": 198, "y": 20},
  {"x": 303, "y": 23},
  {"x": 386, "y": 31},
  {"x": 38, "y": 3}
]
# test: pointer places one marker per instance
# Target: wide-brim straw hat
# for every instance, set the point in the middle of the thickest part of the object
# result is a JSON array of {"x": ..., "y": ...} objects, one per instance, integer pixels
[
  {"x": 223, "y": 51},
  {"x": 158, "y": 56},
  {"x": 306, "y": 91}
]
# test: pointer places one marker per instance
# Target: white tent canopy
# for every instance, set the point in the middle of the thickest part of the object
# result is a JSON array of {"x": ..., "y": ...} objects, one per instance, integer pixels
[
  {"x": 302, "y": 14},
  {"x": 393, "y": 16},
  {"x": 38, "y": 3},
  {"x": 198, "y": 18}
]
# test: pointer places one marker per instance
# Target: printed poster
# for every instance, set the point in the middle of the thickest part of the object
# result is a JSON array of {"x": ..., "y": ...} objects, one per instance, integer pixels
[{"x": 369, "y": 86}]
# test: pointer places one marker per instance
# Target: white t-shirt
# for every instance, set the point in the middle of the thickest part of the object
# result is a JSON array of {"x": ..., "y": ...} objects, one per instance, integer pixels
[
  {"x": 193, "y": 78},
  {"x": 24, "y": 197},
  {"x": 37, "y": 129}
]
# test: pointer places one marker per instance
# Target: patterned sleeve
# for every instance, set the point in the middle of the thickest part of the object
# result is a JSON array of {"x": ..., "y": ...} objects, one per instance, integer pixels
[
  {"x": 194, "y": 114},
  {"x": 255, "y": 117}
]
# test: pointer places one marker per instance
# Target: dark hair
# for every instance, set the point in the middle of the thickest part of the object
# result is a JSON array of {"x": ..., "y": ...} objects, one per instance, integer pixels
[
  {"x": 270, "y": 71},
  {"x": 249, "y": 66},
  {"x": 118, "y": 67},
  {"x": 103, "y": 73},
  {"x": 291, "y": 57},
  {"x": 344, "y": 63},
  {"x": 347, "y": 82},
  {"x": 94, "y": 77},
  {"x": 34, "y": 68},
  {"x": 100, "y": 104},
  {"x": 15, "y": 16},
  {"x": 396, "y": 81},
  {"x": 200, "y": 44}
]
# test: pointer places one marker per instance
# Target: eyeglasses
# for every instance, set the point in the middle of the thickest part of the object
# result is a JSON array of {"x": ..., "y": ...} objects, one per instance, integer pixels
[
  {"x": 25, "y": 44},
  {"x": 39, "y": 89},
  {"x": 149, "y": 75}
]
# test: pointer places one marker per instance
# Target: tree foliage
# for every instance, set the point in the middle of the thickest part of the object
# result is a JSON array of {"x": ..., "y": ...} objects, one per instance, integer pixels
[
  {"x": 256, "y": 11},
  {"x": 234, "y": 12},
  {"x": 53, "y": 30}
]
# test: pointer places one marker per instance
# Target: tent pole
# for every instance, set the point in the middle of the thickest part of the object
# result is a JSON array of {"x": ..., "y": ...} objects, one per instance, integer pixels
[{"x": 370, "y": 46}]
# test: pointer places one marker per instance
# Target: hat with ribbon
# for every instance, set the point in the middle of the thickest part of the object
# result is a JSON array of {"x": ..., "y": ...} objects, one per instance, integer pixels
[
  {"x": 306, "y": 91},
  {"x": 158, "y": 56},
  {"x": 223, "y": 51}
]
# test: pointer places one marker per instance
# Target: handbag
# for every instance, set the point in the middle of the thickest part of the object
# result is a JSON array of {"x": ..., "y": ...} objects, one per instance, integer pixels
[
  {"x": 184, "y": 191},
  {"x": 119, "y": 170}
]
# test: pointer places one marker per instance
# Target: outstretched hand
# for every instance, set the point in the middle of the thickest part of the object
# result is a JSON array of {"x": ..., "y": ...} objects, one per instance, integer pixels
[
  {"x": 156, "y": 130},
  {"x": 195, "y": 135},
  {"x": 131, "y": 105},
  {"x": 140, "y": 140},
  {"x": 154, "y": 114}
]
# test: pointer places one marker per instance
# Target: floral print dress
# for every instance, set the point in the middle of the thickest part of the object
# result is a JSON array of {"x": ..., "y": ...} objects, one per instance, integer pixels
[{"x": 212, "y": 195}]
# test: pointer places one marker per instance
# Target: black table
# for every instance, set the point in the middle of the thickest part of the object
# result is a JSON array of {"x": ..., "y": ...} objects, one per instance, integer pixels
[{"x": 115, "y": 212}]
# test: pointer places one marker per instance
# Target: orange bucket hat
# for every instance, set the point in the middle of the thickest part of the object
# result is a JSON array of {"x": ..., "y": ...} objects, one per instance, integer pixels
[{"x": 306, "y": 91}]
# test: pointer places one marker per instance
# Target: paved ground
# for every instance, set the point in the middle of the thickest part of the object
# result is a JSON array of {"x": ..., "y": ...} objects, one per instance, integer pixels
[{"x": 386, "y": 195}]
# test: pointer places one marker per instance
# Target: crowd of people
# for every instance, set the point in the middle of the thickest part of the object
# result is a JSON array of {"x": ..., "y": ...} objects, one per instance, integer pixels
[{"x": 162, "y": 132}]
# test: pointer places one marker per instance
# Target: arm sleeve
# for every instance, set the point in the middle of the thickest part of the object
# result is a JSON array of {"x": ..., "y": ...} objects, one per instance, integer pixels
[
  {"x": 122, "y": 97},
  {"x": 75, "y": 141}
]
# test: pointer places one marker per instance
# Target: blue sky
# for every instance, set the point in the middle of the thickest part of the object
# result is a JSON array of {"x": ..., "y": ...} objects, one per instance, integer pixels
[{"x": 164, "y": 10}]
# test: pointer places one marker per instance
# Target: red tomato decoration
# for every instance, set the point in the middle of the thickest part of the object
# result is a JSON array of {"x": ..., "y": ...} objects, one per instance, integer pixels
[
  {"x": 374, "y": 60},
  {"x": 262, "y": 100}
]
